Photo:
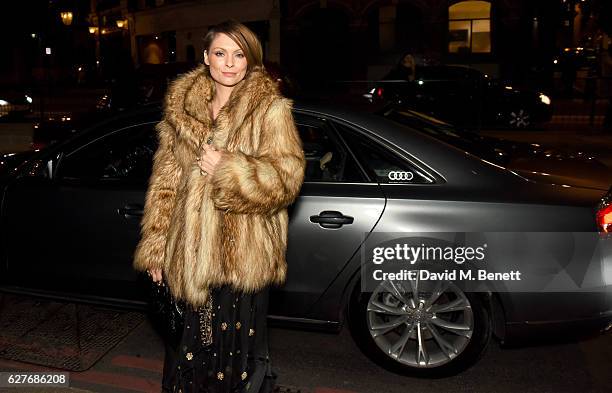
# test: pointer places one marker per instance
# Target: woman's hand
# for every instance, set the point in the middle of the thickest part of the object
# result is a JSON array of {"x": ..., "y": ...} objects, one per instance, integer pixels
[
  {"x": 155, "y": 274},
  {"x": 208, "y": 160}
]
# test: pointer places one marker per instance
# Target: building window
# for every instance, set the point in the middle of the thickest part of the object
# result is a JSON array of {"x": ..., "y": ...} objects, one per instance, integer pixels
[{"x": 469, "y": 27}]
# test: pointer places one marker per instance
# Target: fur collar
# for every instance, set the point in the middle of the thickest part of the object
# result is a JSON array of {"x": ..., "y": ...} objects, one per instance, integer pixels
[{"x": 186, "y": 104}]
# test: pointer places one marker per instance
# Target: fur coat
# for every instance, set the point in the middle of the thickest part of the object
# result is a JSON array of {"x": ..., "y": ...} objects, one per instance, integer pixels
[{"x": 231, "y": 227}]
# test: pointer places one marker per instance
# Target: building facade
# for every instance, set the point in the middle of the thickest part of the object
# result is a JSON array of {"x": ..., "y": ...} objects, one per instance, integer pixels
[
  {"x": 346, "y": 39},
  {"x": 165, "y": 31}
]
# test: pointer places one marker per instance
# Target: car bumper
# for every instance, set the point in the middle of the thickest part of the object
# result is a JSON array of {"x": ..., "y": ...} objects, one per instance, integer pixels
[
  {"x": 557, "y": 316},
  {"x": 529, "y": 332}
]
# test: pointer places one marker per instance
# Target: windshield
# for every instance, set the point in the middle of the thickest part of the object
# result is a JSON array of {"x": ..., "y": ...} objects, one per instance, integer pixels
[{"x": 488, "y": 149}]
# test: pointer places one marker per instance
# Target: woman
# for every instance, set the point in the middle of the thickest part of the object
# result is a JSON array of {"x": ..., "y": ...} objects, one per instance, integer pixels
[
  {"x": 229, "y": 163},
  {"x": 399, "y": 87},
  {"x": 404, "y": 70}
]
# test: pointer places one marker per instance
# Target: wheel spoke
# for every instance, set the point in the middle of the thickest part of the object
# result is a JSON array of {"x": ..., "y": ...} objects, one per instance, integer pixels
[
  {"x": 378, "y": 307},
  {"x": 384, "y": 328},
  {"x": 422, "y": 355},
  {"x": 439, "y": 290},
  {"x": 447, "y": 348},
  {"x": 458, "y": 329},
  {"x": 394, "y": 289},
  {"x": 397, "y": 349},
  {"x": 414, "y": 285},
  {"x": 458, "y": 304}
]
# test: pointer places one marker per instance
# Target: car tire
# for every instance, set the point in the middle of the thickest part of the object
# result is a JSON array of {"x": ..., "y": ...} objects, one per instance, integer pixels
[
  {"x": 519, "y": 118},
  {"x": 360, "y": 316}
]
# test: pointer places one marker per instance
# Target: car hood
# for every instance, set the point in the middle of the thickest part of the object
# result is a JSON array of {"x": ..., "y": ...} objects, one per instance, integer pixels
[
  {"x": 11, "y": 161},
  {"x": 548, "y": 165}
]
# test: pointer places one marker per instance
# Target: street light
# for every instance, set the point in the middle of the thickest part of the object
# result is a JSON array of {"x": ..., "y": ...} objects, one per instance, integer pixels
[
  {"x": 66, "y": 17},
  {"x": 121, "y": 23}
]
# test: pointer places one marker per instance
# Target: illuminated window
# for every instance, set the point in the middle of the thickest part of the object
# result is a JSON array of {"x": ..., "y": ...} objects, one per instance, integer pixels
[{"x": 469, "y": 27}]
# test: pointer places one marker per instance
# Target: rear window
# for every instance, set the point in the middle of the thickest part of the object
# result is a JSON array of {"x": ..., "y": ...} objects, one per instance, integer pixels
[{"x": 464, "y": 140}]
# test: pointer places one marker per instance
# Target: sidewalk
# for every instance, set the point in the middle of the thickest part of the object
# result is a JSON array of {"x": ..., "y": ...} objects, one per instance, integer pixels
[
  {"x": 15, "y": 137},
  {"x": 577, "y": 113},
  {"x": 44, "y": 331}
]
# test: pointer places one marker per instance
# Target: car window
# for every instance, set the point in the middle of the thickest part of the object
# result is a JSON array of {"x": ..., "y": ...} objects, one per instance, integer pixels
[
  {"x": 125, "y": 154},
  {"x": 326, "y": 159},
  {"x": 465, "y": 140},
  {"x": 381, "y": 163}
]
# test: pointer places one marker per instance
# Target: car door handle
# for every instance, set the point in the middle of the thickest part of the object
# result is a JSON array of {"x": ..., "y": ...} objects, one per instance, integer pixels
[
  {"x": 131, "y": 211},
  {"x": 331, "y": 219}
]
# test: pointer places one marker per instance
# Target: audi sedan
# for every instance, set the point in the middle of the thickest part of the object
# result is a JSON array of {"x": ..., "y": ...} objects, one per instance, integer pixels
[
  {"x": 467, "y": 97},
  {"x": 71, "y": 212}
]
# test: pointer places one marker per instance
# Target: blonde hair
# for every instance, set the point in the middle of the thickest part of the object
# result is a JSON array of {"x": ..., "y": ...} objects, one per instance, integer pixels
[{"x": 243, "y": 37}]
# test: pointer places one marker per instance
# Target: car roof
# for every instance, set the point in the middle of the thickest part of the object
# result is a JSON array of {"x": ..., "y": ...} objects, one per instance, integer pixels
[
  {"x": 438, "y": 155},
  {"x": 467, "y": 177},
  {"x": 358, "y": 114}
]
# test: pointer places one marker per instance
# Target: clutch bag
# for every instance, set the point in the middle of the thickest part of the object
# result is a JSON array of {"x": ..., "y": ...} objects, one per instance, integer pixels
[{"x": 167, "y": 312}]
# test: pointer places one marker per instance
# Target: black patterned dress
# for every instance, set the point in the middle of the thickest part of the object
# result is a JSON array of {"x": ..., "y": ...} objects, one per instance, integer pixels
[{"x": 224, "y": 347}]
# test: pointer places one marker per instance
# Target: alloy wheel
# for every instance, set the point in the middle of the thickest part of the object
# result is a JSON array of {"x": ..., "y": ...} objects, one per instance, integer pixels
[
  {"x": 420, "y": 324},
  {"x": 519, "y": 119}
]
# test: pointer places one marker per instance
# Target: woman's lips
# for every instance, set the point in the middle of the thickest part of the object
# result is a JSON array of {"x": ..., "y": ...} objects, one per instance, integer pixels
[{"x": 229, "y": 74}]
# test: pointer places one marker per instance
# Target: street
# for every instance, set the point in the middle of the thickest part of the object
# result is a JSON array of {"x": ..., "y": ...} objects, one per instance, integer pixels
[{"x": 328, "y": 363}]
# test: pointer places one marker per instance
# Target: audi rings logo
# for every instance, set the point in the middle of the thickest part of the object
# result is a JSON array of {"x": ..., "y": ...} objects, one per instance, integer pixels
[{"x": 402, "y": 176}]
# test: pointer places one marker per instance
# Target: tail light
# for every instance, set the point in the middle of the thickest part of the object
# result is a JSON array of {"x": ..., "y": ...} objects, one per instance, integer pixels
[
  {"x": 604, "y": 213},
  {"x": 379, "y": 92}
]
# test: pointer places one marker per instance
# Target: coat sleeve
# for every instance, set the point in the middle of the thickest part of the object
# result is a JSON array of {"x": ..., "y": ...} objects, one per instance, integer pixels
[
  {"x": 159, "y": 202},
  {"x": 269, "y": 180}
]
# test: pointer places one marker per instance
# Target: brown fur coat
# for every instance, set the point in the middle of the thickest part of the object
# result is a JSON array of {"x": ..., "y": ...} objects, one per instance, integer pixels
[{"x": 231, "y": 227}]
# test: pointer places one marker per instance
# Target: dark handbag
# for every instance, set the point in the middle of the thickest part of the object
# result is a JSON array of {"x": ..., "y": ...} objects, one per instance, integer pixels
[{"x": 167, "y": 312}]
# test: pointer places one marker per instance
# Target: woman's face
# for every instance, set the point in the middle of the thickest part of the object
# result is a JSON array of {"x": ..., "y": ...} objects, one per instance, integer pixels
[
  {"x": 407, "y": 61},
  {"x": 227, "y": 62}
]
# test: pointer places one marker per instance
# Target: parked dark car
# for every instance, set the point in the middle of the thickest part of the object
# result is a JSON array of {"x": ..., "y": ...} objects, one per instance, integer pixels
[
  {"x": 15, "y": 103},
  {"x": 466, "y": 97},
  {"x": 577, "y": 68},
  {"x": 576, "y": 58},
  {"x": 70, "y": 222},
  {"x": 9, "y": 162}
]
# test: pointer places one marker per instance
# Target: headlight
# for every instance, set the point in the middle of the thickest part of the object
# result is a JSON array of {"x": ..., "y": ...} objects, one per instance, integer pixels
[
  {"x": 545, "y": 99},
  {"x": 28, "y": 99},
  {"x": 2, "y": 102}
]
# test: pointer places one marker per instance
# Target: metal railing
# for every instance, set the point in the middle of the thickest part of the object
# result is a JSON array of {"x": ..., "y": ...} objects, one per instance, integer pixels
[{"x": 587, "y": 102}]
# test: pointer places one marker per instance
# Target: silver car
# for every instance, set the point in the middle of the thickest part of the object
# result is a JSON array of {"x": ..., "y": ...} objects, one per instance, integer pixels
[{"x": 367, "y": 175}]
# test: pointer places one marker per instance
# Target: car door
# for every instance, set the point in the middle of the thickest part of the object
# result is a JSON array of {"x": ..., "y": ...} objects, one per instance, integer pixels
[
  {"x": 335, "y": 209},
  {"x": 77, "y": 232}
]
